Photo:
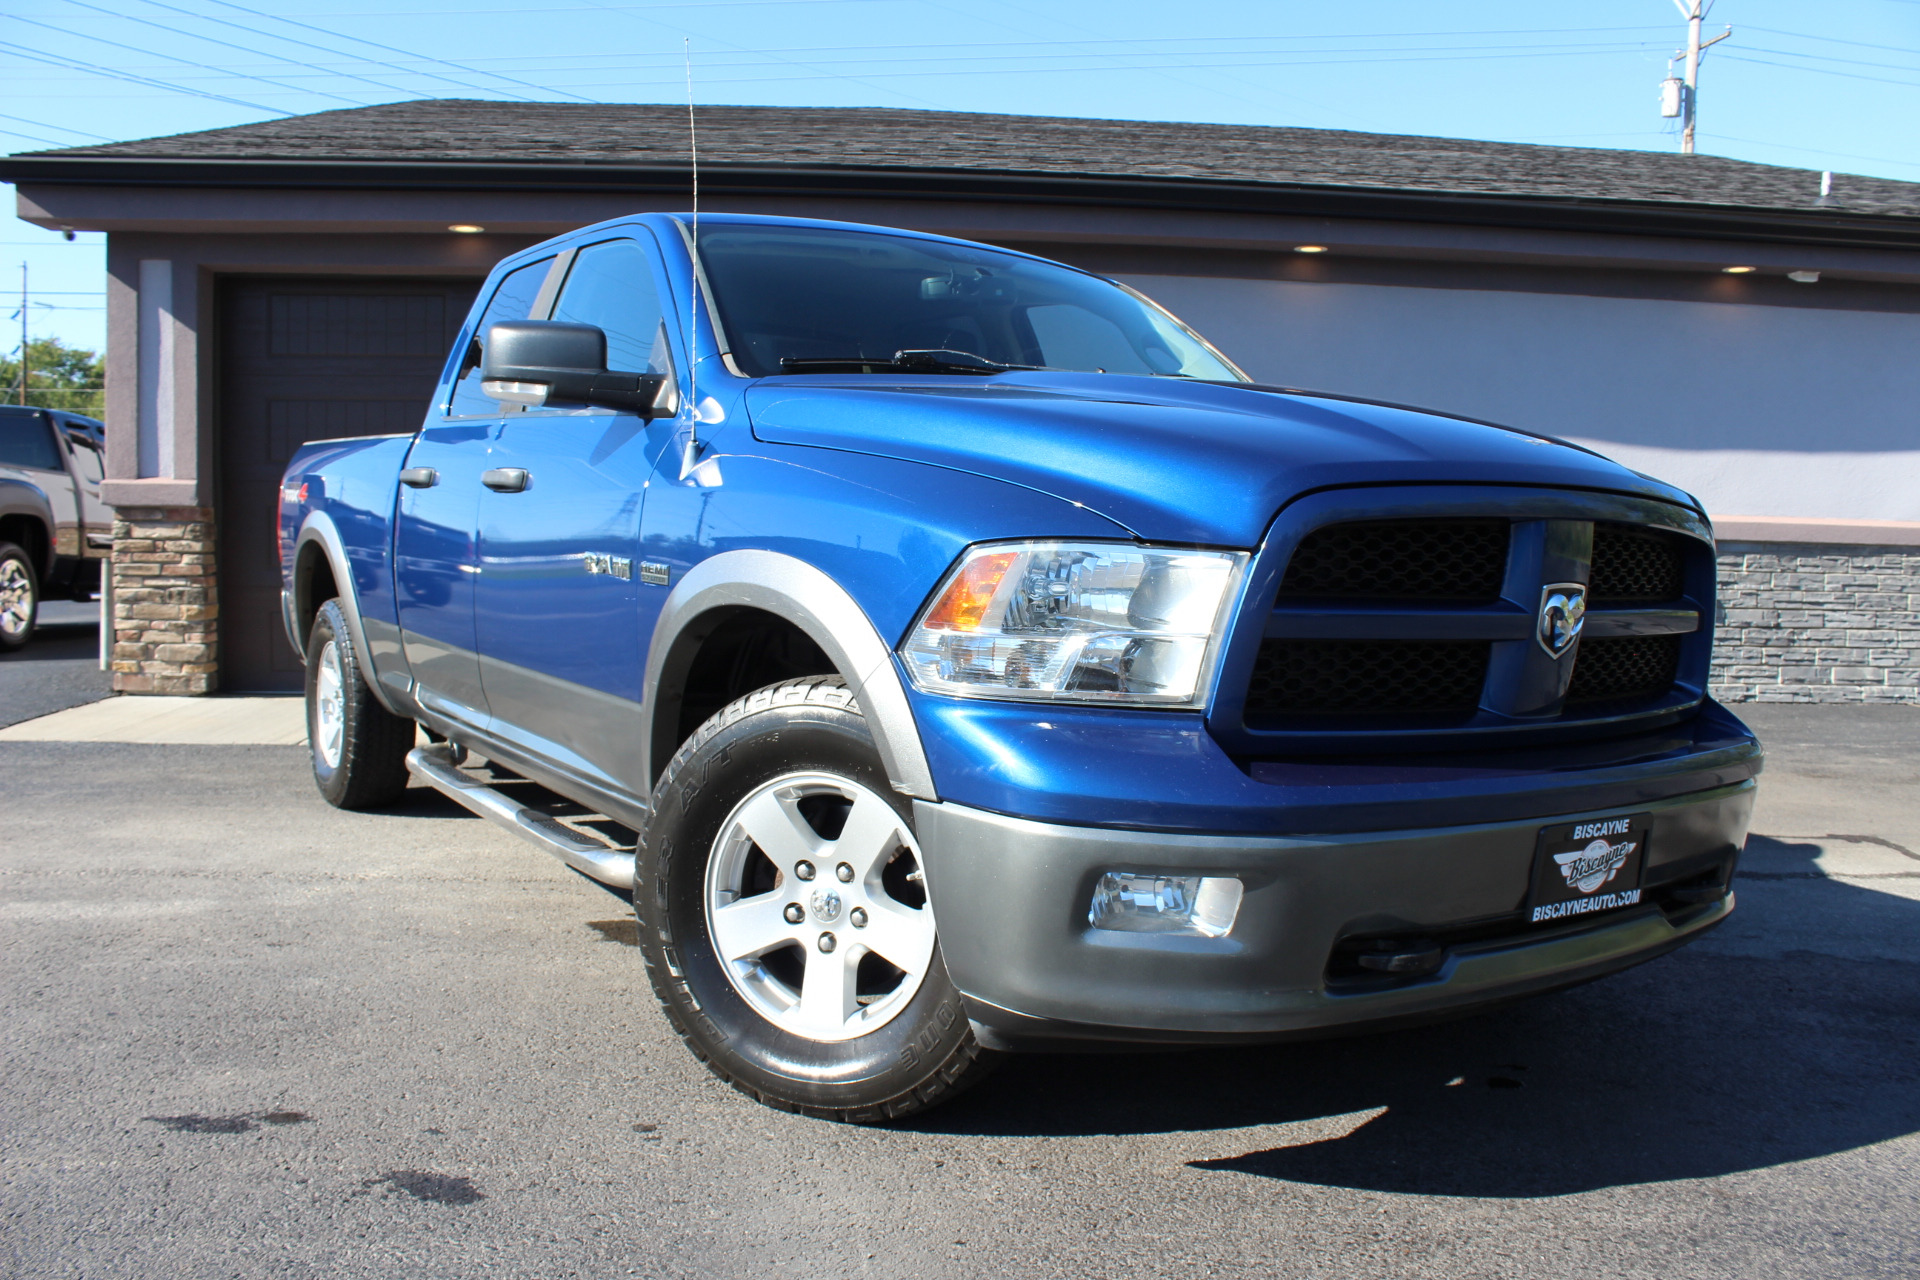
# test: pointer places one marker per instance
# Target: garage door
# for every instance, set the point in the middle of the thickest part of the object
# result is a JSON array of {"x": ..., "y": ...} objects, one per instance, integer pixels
[{"x": 307, "y": 359}]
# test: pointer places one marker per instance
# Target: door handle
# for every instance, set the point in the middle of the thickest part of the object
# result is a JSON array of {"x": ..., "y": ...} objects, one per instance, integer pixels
[
  {"x": 505, "y": 479},
  {"x": 420, "y": 477}
]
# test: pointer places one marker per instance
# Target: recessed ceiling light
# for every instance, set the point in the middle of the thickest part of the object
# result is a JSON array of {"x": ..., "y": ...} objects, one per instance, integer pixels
[
  {"x": 1309, "y": 248},
  {"x": 1739, "y": 271},
  {"x": 466, "y": 228}
]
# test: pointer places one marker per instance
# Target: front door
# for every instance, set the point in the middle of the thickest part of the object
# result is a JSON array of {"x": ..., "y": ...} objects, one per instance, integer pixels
[
  {"x": 435, "y": 555},
  {"x": 556, "y": 602}
]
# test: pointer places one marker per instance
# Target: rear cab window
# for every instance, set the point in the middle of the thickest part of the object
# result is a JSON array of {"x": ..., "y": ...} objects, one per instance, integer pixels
[{"x": 26, "y": 440}]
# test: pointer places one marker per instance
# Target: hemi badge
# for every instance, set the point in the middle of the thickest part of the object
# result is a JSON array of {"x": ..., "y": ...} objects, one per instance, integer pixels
[{"x": 655, "y": 574}]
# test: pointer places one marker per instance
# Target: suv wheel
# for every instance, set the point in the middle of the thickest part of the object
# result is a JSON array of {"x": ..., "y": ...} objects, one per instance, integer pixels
[
  {"x": 19, "y": 596},
  {"x": 784, "y": 917},
  {"x": 359, "y": 747}
]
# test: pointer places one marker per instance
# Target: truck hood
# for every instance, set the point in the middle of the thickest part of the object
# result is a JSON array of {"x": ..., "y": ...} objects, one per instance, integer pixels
[{"x": 1170, "y": 460}]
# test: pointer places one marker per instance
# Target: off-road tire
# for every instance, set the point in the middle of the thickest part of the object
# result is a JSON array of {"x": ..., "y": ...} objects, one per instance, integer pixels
[
  {"x": 926, "y": 1054},
  {"x": 16, "y": 566},
  {"x": 370, "y": 765}
]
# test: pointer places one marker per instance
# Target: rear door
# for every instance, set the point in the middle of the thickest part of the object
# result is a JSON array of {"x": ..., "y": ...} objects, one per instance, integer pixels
[
  {"x": 30, "y": 452},
  {"x": 562, "y": 653},
  {"x": 435, "y": 555}
]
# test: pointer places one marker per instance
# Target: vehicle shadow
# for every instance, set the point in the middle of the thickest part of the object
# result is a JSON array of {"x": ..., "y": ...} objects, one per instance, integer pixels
[
  {"x": 1699, "y": 1064},
  {"x": 58, "y": 642}
]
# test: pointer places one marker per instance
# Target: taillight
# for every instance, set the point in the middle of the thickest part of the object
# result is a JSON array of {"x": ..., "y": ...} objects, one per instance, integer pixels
[{"x": 280, "y": 519}]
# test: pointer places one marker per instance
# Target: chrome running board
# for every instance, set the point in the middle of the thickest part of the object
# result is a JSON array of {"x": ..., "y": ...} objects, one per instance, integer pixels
[{"x": 434, "y": 766}]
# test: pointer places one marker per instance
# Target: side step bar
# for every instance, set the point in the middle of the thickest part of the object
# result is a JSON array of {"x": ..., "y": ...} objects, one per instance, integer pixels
[{"x": 434, "y": 766}]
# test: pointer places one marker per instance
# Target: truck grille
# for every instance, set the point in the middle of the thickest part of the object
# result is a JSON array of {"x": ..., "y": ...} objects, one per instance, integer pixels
[
  {"x": 1463, "y": 560},
  {"x": 1623, "y": 667},
  {"x": 1634, "y": 566},
  {"x": 1360, "y": 677},
  {"x": 1411, "y": 621}
]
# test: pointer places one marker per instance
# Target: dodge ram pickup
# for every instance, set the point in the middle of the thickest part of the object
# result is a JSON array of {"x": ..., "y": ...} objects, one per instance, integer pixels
[{"x": 955, "y": 654}]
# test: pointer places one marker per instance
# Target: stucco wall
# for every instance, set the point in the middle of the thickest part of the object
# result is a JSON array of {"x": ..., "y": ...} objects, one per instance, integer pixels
[{"x": 1758, "y": 410}]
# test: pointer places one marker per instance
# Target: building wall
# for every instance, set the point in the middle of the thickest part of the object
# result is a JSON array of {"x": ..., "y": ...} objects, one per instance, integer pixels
[
  {"x": 1811, "y": 412},
  {"x": 1765, "y": 398},
  {"x": 1818, "y": 623},
  {"x": 1767, "y": 410}
]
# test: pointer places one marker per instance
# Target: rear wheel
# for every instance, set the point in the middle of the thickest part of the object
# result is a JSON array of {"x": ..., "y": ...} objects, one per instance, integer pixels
[
  {"x": 359, "y": 747},
  {"x": 19, "y": 596},
  {"x": 784, "y": 916}
]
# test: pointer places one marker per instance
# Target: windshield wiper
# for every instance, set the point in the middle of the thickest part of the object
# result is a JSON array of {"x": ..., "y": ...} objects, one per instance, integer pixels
[{"x": 939, "y": 360}]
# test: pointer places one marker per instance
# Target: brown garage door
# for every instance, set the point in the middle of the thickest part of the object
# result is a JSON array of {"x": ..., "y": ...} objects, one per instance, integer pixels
[{"x": 307, "y": 359}]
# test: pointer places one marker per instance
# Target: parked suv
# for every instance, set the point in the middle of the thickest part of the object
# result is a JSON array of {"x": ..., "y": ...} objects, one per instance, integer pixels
[
  {"x": 984, "y": 663},
  {"x": 54, "y": 531}
]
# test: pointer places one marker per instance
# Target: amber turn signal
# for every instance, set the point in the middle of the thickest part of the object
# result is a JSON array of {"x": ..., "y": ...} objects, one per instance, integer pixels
[{"x": 964, "y": 603}]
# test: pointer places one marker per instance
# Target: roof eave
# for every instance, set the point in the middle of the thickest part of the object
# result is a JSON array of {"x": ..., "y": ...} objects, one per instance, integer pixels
[{"x": 1583, "y": 214}]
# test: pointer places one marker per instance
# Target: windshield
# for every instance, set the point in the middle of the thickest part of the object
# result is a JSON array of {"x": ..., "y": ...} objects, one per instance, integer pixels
[{"x": 815, "y": 299}]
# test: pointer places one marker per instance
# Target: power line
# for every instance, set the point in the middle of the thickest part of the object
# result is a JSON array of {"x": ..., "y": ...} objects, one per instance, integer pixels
[
  {"x": 1821, "y": 71},
  {"x": 1443, "y": 55},
  {"x": 1285, "y": 60},
  {"x": 1858, "y": 44},
  {"x": 225, "y": 44},
  {"x": 1822, "y": 57},
  {"x": 58, "y": 128},
  {"x": 31, "y": 137},
  {"x": 308, "y": 44},
  {"x": 371, "y": 44},
  {"x": 149, "y": 81},
  {"x": 384, "y": 88},
  {"x": 35, "y": 22},
  {"x": 1816, "y": 151}
]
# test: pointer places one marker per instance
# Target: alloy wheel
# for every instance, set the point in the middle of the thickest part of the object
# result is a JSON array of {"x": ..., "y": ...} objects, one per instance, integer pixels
[{"x": 817, "y": 907}]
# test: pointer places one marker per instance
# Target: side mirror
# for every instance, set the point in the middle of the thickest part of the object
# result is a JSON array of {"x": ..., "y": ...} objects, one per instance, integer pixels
[{"x": 550, "y": 362}]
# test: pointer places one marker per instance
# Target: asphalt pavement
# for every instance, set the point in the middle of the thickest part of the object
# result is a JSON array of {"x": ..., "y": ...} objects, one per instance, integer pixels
[
  {"x": 58, "y": 668},
  {"x": 249, "y": 1035}
]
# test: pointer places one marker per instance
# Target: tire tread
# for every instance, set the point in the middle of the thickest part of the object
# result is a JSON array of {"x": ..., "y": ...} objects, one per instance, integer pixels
[{"x": 966, "y": 1065}]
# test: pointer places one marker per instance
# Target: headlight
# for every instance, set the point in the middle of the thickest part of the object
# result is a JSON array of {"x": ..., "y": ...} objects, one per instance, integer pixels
[{"x": 1110, "y": 622}]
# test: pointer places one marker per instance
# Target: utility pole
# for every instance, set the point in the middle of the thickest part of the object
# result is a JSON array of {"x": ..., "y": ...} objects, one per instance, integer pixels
[
  {"x": 1695, "y": 12},
  {"x": 23, "y": 333}
]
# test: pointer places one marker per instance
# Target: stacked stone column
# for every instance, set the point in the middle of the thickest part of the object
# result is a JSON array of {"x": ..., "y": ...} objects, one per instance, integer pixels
[
  {"x": 165, "y": 601},
  {"x": 1804, "y": 623}
]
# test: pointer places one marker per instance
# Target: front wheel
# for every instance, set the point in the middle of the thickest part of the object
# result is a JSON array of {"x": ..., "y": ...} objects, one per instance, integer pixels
[
  {"x": 784, "y": 915},
  {"x": 359, "y": 747},
  {"x": 19, "y": 596}
]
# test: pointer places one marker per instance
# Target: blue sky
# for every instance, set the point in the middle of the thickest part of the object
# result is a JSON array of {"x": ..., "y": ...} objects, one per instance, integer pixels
[{"x": 1818, "y": 86}]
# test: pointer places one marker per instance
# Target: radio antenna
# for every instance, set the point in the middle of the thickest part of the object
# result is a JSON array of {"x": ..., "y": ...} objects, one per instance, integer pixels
[{"x": 690, "y": 452}]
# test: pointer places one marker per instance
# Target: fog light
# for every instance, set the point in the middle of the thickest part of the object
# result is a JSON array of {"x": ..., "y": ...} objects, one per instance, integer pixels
[{"x": 1143, "y": 902}]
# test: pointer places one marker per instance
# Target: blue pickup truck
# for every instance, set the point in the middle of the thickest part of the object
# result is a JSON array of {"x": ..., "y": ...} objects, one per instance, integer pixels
[{"x": 955, "y": 654}]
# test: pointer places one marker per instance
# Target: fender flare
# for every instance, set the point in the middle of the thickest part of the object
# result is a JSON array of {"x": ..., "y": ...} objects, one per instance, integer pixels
[
  {"x": 789, "y": 588},
  {"x": 319, "y": 530},
  {"x": 24, "y": 498}
]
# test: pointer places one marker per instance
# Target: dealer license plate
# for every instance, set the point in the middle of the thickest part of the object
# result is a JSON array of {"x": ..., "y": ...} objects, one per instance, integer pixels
[{"x": 1580, "y": 868}]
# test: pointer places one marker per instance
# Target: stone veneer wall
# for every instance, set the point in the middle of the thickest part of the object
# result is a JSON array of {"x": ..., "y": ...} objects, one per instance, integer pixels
[
  {"x": 165, "y": 601},
  {"x": 1802, "y": 622}
]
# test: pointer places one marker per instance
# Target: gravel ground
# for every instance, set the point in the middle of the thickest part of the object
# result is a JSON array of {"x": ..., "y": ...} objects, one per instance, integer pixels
[{"x": 248, "y": 1035}]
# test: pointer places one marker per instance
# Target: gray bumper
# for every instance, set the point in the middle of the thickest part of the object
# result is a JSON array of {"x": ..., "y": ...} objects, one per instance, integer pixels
[{"x": 1012, "y": 898}]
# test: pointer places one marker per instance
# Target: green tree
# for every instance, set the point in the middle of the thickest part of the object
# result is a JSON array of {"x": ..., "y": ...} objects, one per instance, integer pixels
[{"x": 58, "y": 377}]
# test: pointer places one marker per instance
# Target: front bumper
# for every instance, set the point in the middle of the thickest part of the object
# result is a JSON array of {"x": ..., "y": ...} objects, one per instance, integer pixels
[{"x": 1012, "y": 896}]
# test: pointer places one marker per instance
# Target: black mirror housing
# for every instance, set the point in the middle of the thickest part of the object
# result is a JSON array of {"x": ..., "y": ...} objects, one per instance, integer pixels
[{"x": 551, "y": 362}]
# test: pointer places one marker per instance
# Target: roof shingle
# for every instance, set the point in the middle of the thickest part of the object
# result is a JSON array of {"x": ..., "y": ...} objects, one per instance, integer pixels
[{"x": 653, "y": 136}]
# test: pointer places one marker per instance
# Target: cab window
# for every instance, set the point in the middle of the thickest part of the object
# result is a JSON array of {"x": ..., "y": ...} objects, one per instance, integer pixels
[
  {"x": 611, "y": 286},
  {"x": 26, "y": 440},
  {"x": 512, "y": 300}
]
